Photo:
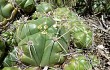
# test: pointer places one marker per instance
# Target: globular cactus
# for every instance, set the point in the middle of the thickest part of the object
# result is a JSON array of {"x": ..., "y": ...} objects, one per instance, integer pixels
[
  {"x": 6, "y": 8},
  {"x": 82, "y": 35},
  {"x": 26, "y": 5},
  {"x": 7, "y": 12},
  {"x": 78, "y": 63},
  {"x": 42, "y": 41},
  {"x": 11, "y": 58},
  {"x": 44, "y": 7}
]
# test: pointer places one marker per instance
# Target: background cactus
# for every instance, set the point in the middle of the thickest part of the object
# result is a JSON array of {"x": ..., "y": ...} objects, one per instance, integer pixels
[
  {"x": 6, "y": 8},
  {"x": 26, "y": 5},
  {"x": 7, "y": 13},
  {"x": 78, "y": 63},
  {"x": 61, "y": 3},
  {"x": 82, "y": 35},
  {"x": 38, "y": 43}
]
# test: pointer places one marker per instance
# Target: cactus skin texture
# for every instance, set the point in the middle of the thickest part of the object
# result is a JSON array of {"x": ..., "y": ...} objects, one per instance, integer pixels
[
  {"x": 7, "y": 12},
  {"x": 78, "y": 63},
  {"x": 5, "y": 9},
  {"x": 26, "y": 5},
  {"x": 82, "y": 35},
  {"x": 44, "y": 7},
  {"x": 10, "y": 59},
  {"x": 38, "y": 41}
]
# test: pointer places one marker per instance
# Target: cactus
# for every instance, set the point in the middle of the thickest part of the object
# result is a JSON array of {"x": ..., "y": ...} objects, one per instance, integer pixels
[
  {"x": 82, "y": 35},
  {"x": 38, "y": 40},
  {"x": 16, "y": 68},
  {"x": 78, "y": 63},
  {"x": 26, "y": 5},
  {"x": 44, "y": 40},
  {"x": 44, "y": 7},
  {"x": 6, "y": 8},
  {"x": 7, "y": 12}
]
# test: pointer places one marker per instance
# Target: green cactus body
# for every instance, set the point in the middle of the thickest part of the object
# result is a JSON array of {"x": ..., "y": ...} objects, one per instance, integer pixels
[
  {"x": 26, "y": 5},
  {"x": 81, "y": 34},
  {"x": 44, "y": 41},
  {"x": 11, "y": 68},
  {"x": 38, "y": 41},
  {"x": 7, "y": 10},
  {"x": 44, "y": 7},
  {"x": 10, "y": 59},
  {"x": 78, "y": 63}
]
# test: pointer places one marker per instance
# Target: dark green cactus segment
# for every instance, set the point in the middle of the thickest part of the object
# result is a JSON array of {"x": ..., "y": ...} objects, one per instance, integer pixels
[
  {"x": 7, "y": 13},
  {"x": 44, "y": 7},
  {"x": 11, "y": 58},
  {"x": 3, "y": 2},
  {"x": 2, "y": 48},
  {"x": 44, "y": 43},
  {"x": 26, "y": 5},
  {"x": 101, "y": 6},
  {"x": 6, "y": 9},
  {"x": 33, "y": 47},
  {"x": 78, "y": 63}
]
